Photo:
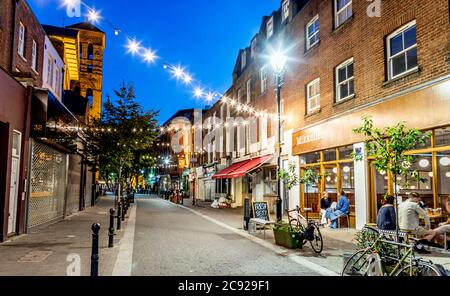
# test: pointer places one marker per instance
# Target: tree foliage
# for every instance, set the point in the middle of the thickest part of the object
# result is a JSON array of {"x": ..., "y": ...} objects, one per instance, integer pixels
[{"x": 121, "y": 141}]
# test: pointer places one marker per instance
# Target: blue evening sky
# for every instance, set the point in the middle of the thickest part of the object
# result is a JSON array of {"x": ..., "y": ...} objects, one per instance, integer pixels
[{"x": 202, "y": 35}]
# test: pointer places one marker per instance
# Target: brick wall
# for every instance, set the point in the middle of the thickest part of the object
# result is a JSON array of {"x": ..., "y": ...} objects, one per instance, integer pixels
[
  {"x": 33, "y": 31},
  {"x": 6, "y": 23},
  {"x": 362, "y": 38}
]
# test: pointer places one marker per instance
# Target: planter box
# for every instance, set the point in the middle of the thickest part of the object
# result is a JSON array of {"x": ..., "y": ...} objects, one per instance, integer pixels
[{"x": 284, "y": 236}]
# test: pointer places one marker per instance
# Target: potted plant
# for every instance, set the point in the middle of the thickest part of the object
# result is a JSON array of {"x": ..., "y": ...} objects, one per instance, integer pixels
[{"x": 287, "y": 236}]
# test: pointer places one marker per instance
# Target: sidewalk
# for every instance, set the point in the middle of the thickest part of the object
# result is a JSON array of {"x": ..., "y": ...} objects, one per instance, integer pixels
[
  {"x": 336, "y": 242},
  {"x": 45, "y": 253}
]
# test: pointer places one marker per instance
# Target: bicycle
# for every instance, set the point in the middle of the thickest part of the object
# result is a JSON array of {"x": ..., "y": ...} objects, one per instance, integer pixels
[
  {"x": 309, "y": 231},
  {"x": 378, "y": 259}
]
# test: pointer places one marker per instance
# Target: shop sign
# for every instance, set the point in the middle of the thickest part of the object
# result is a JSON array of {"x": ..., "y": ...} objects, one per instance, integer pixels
[{"x": 308, "y": 138}]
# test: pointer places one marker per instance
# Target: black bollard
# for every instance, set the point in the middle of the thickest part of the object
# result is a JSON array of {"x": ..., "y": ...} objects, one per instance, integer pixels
[
  {"x": 111, "y": 228},
  {"x": 119, "y": 217},
  {"x": 94, "y": 256},
  {"x": 123, "y": 210}
]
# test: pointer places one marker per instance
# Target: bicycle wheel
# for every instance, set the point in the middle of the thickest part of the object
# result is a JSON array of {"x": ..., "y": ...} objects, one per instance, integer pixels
[
  {"x": 316, "y": 236},
  {"x": 419, "y": 269},
  {"x": 357, "y": 265}
]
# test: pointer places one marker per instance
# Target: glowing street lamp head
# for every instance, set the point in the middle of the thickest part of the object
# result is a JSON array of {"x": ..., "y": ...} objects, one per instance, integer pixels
[
  {"x": 133, "y": 46},
  {"x": 93, "y": 16},
  {"x": 278, "y": 61}
]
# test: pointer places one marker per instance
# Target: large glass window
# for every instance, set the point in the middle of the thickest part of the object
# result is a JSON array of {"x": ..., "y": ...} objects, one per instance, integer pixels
[
  {"x": 312, "y": 157},
  {"x": 348, "y": 181},
  {"x": 346, "y": 152},
  {"x": 402, "y": 51},
  {"x": 443, "y": 177},
  {"x": 442, "y": 137},
  {"x": 329, "y": 155}
]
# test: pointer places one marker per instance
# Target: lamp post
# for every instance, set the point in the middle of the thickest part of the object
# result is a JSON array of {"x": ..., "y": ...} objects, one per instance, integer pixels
[{"x": 278, "y": 61}]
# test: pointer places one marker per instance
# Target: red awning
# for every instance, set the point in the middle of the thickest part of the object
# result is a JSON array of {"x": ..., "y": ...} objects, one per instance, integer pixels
[
  {"x": 240, "y": 169},
  {"x": 249, "y": 166},
  {"x": 223, "y": 174}
]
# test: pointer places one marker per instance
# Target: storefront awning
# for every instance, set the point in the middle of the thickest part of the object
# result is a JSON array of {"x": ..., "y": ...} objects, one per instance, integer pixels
[
  {"x": 240, "y": 169},
  {"x": 223, "y": 174}
]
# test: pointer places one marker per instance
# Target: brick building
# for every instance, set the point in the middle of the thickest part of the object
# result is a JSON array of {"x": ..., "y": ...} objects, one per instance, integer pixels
[{"x": 343, "y": 63}]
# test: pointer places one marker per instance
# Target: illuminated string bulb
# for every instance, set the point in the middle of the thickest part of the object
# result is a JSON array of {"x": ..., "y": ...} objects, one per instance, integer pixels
[
  {"x": 93, "y": 16},
  {"x": 133, "y": 46},
  {"x": 149, "y": 56},
  {"x": 198, "y": 92},
  {"x": 178, "y": 72},
  {"x": 209, "y": 97}
]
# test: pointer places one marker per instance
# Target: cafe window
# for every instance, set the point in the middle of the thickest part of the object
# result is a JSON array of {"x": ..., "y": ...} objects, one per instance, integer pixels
[
  {"x": 346, "y": 152},
  {"x": 312, "y": 157},
  {"x": 443, "y": 177},
  {"x": 442, "y": 137},
  {"x": 329, "y": 155},
  {"x": 424, "y": 166},
  {"x": 427, "y": 144}
]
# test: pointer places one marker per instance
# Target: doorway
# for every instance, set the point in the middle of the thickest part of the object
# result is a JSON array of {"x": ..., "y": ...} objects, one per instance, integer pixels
[{"x": 14, "y": 182}]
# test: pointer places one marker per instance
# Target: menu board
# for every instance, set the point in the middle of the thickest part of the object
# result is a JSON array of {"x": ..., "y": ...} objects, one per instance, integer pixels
[{"x": 261, "y": 210}]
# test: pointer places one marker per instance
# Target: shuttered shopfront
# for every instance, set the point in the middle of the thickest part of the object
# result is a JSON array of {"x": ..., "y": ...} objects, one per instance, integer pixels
[{"x": 47, "y": 185}]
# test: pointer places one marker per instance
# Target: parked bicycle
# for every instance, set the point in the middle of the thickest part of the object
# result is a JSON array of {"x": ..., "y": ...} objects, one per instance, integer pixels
[
  {"x": 308, "y": 229},
  {"x": 386, "y": 257}
]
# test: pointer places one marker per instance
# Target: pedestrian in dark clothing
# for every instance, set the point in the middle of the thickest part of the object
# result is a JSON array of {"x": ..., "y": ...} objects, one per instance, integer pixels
[{"x": 386, "y": 215}]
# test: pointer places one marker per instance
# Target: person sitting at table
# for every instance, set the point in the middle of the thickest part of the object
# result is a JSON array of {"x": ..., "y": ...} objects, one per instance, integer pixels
[
  {"x": 409, "y": 213},
  {"x": 444, "y": 228},
  {"x": 386, "y": 219},
  {"x": 341, "y": 209},
  {"x": 325, "y": 204}
]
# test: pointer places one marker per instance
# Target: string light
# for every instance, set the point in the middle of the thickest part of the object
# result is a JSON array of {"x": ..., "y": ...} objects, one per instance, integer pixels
[
  {"x": 149, "y": 56},
  {"x": 93, "y": 16}
]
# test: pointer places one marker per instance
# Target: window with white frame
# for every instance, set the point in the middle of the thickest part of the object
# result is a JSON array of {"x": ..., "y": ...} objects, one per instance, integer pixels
[
  {"x": 50, "y": 71},
  {"x": 243, "y": 59},
  {"x": 345, "y": 81},
  {"x": 34, "y": 56},
  {"x": 21, "y": 45},
  {"x": 239, "y": 96},
  {"x": 57, "y": 81},
  {"x": 313, "y": 95},
  {"x": 264, "y": 77},
  {"x": 312, "y": 32},
  {"x": 342, "y": 11},
  {"x": 402, "y": 51},
  {"x": 269, "y": 28},
  {"x": 253, "y": 48},
  {"x": 249, "y": 91},
  {"x": 285, "y": 9}
]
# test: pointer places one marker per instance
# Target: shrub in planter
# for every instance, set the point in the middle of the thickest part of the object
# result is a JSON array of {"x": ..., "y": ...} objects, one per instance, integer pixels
[{"x": 287, "y": 237}]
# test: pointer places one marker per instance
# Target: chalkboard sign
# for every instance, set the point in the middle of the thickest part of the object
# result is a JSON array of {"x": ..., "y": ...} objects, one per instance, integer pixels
[{"x": 261, "y": 210}]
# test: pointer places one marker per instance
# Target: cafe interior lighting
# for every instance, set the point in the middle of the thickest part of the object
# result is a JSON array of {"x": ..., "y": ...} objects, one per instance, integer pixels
[
  {"x": 445, "y": 161},
  {"x": 424, "y": 163}
]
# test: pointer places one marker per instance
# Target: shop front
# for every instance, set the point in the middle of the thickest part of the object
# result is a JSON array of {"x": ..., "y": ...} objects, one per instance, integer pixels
[
  {"x": 210, "y": 183},
  {"x": 239, "y": 181},
  {"x": 326, "y": 148}
]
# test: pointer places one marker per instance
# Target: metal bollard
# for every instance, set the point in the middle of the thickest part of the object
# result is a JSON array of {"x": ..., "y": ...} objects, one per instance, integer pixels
[
  {"x": 111, "y": 228},
  {"x": 94, "y": 256},
  {"x": 119, "y": 211},
  {"x": 123, "y": 210}
]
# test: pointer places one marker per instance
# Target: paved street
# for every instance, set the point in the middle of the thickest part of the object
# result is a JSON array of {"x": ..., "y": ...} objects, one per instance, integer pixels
[{"x": 172, "y": 241}]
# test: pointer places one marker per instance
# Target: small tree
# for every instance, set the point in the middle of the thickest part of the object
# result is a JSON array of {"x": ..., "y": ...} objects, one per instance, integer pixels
[
  {"x": 289, "y": 177},
  {"x": 121, "y": 141},
  {"x": 389, "y": 149}
]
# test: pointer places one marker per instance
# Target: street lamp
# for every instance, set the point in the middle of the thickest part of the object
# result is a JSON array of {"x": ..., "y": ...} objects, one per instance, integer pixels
[{"x": 278, "y": 61}]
